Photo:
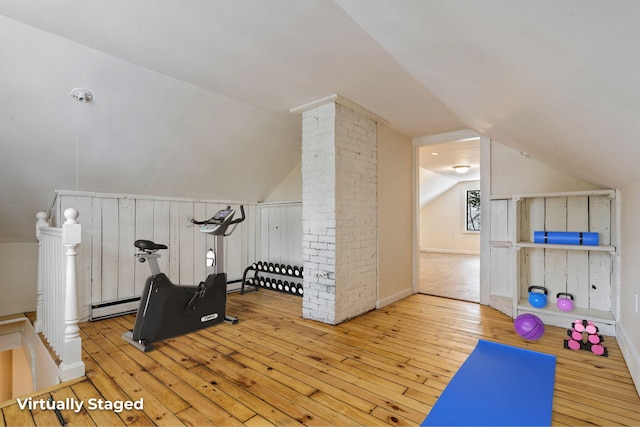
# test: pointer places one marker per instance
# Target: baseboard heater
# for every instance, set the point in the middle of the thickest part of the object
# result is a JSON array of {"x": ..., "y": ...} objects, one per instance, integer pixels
[
  {"x": 127, "y": 306},
  {"x": 114, "y": 308}
]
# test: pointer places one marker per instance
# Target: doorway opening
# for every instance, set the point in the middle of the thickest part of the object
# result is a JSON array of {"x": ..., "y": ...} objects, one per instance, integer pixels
[{"x": 448, "y": 216}]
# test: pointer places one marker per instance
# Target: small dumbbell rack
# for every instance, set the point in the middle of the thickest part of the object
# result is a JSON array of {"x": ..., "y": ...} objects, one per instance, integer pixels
[
  {"x": 592, "y": 342},
  {"x": 273, "y": 276}
]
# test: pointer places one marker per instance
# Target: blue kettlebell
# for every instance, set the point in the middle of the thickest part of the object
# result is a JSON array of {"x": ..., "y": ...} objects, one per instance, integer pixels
[{"x": 537, "y": 299}]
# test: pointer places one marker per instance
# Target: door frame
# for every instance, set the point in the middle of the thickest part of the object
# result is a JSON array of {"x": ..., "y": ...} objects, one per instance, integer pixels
[{"x": 485, "y": 201}]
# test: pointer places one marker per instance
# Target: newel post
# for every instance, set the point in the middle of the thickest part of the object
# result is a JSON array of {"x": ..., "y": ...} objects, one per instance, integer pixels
[
  {"x": 42, "y": 222},
  {"x": 72, "y": 365}
]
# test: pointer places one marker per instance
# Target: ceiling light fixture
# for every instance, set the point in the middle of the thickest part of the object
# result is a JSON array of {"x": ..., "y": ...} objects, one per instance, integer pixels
[{"x": 461, "y": 168}]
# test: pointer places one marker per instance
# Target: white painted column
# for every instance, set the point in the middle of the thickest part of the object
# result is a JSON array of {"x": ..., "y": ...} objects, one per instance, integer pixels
[{"x": 339, "y": 213}]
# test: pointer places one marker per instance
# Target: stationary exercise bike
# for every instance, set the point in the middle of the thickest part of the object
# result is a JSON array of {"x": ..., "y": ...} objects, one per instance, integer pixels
[{"x": 167, "y": 310}]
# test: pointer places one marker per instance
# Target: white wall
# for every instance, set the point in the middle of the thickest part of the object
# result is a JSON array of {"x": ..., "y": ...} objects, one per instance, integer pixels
[
  {"x": 143, "y": 133},
  {"x": 442, "y": 222},
  {"x": 513, "y": 173},
  {"x": 290, "y": 189},
  {"x": 628, "y": 326},
  {"x": 18, "y": 277}
]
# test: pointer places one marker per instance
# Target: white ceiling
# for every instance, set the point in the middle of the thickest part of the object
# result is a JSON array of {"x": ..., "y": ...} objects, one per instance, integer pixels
[
  {"x": 441, "y": 158},
  {"x": 192, "y": 96},
  {"x": 436, "y": 162},
  {"x": 556, "y": 79}
]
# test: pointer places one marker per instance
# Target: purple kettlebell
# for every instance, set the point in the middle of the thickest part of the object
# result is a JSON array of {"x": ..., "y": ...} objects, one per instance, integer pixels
[{"x": 565, "y": 301}]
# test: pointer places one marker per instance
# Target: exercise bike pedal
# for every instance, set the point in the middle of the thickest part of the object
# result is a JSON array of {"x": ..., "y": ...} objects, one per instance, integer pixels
[{"x": 198, "y": 295}]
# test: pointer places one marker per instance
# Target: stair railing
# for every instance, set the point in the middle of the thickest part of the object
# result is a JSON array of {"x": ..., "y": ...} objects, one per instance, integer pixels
[{"x": 57, "y": 292}]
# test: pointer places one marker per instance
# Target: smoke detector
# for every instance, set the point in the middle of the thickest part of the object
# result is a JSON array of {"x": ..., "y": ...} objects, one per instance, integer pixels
[{"x": 81, "y": 95}]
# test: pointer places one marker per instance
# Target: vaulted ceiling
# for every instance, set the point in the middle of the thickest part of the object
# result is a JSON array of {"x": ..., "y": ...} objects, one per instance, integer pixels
[{"x": 192, "y": 97}]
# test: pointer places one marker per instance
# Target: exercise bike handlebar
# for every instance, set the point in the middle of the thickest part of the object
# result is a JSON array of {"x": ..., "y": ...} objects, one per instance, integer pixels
[
  {"x": 220, "y": 222},
  {"x": 215, "y": 220},
  {"x": 242, "y": 217}
]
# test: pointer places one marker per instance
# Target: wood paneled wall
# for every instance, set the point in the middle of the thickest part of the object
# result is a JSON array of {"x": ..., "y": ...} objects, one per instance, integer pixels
[
  {"x": 108, "y": 270},
  {"x": 281, "y": 233}
]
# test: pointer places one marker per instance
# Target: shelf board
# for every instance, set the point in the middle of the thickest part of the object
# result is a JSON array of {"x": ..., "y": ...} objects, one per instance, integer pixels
[
  {"x": 501, "y": 197},
  {"x": 609, "y": 193},
  {"x": 575, "y": 314},
  {"x": 611, "y": 249}
]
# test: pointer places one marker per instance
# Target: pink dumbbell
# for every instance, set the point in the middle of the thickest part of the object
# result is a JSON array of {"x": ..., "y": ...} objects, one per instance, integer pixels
[
  {"x": 573, "y": 344},
  {"x": 595, "y": 339}
]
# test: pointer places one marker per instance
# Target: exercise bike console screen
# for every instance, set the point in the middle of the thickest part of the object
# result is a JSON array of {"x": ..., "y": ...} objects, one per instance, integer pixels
[{"x": 224, "y": 214}]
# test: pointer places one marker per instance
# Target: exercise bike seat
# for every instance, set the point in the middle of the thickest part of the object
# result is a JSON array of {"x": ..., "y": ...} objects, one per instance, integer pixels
[{"x": 148, "y": 245}]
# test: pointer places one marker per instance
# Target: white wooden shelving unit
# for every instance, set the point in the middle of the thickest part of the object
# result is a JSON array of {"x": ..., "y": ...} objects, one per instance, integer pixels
[
  {"x": 589, "y": 273},
  {"x": 501, "y": 247}
]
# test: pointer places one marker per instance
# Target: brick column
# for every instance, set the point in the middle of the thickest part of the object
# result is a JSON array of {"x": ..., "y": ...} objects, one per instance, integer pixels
[{"x": 339, "y": 210}]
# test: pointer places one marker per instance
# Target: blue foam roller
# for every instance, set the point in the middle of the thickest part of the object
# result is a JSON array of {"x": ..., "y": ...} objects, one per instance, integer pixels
[{"x": 565, "y": 238}]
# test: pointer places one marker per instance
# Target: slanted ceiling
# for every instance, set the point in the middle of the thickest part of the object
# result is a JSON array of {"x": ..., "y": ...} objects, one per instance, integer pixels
[{"x": 192, "y": 97}]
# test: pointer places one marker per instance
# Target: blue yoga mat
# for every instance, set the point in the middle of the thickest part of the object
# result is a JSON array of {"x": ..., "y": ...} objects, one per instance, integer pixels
[
  {"x": 498, "y": 385},
  {"x": 565, "y": 238}
]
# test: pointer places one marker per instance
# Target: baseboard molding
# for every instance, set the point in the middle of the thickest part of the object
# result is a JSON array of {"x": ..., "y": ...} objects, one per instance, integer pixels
[
  {"x": 393, "y": 298},
  {"x": 630, "y": 355},
  {"x": 450, "y": 251},
  {"x": 116, "y": 308}
]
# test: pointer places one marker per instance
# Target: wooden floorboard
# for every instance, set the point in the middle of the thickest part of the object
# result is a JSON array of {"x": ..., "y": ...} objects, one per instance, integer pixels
[{"x": 387, "y": 367}]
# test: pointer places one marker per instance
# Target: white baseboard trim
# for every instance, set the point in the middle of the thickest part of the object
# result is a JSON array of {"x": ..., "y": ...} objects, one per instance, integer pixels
[
  {"x": 450, "y": 251},
  {"x": 393, "y": 298},
  {"x": 630, "y": 355}
]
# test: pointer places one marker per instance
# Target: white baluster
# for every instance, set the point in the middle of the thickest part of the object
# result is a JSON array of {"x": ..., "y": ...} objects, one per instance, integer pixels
[
  {"x": 42, "y": 222},
  {"x": 72, "y": 365}
]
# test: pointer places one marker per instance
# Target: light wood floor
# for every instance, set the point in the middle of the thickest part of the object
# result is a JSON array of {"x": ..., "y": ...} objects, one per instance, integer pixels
[
  {"x": 387, "y": 367},
  {"x": 450, "y": 275}
]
